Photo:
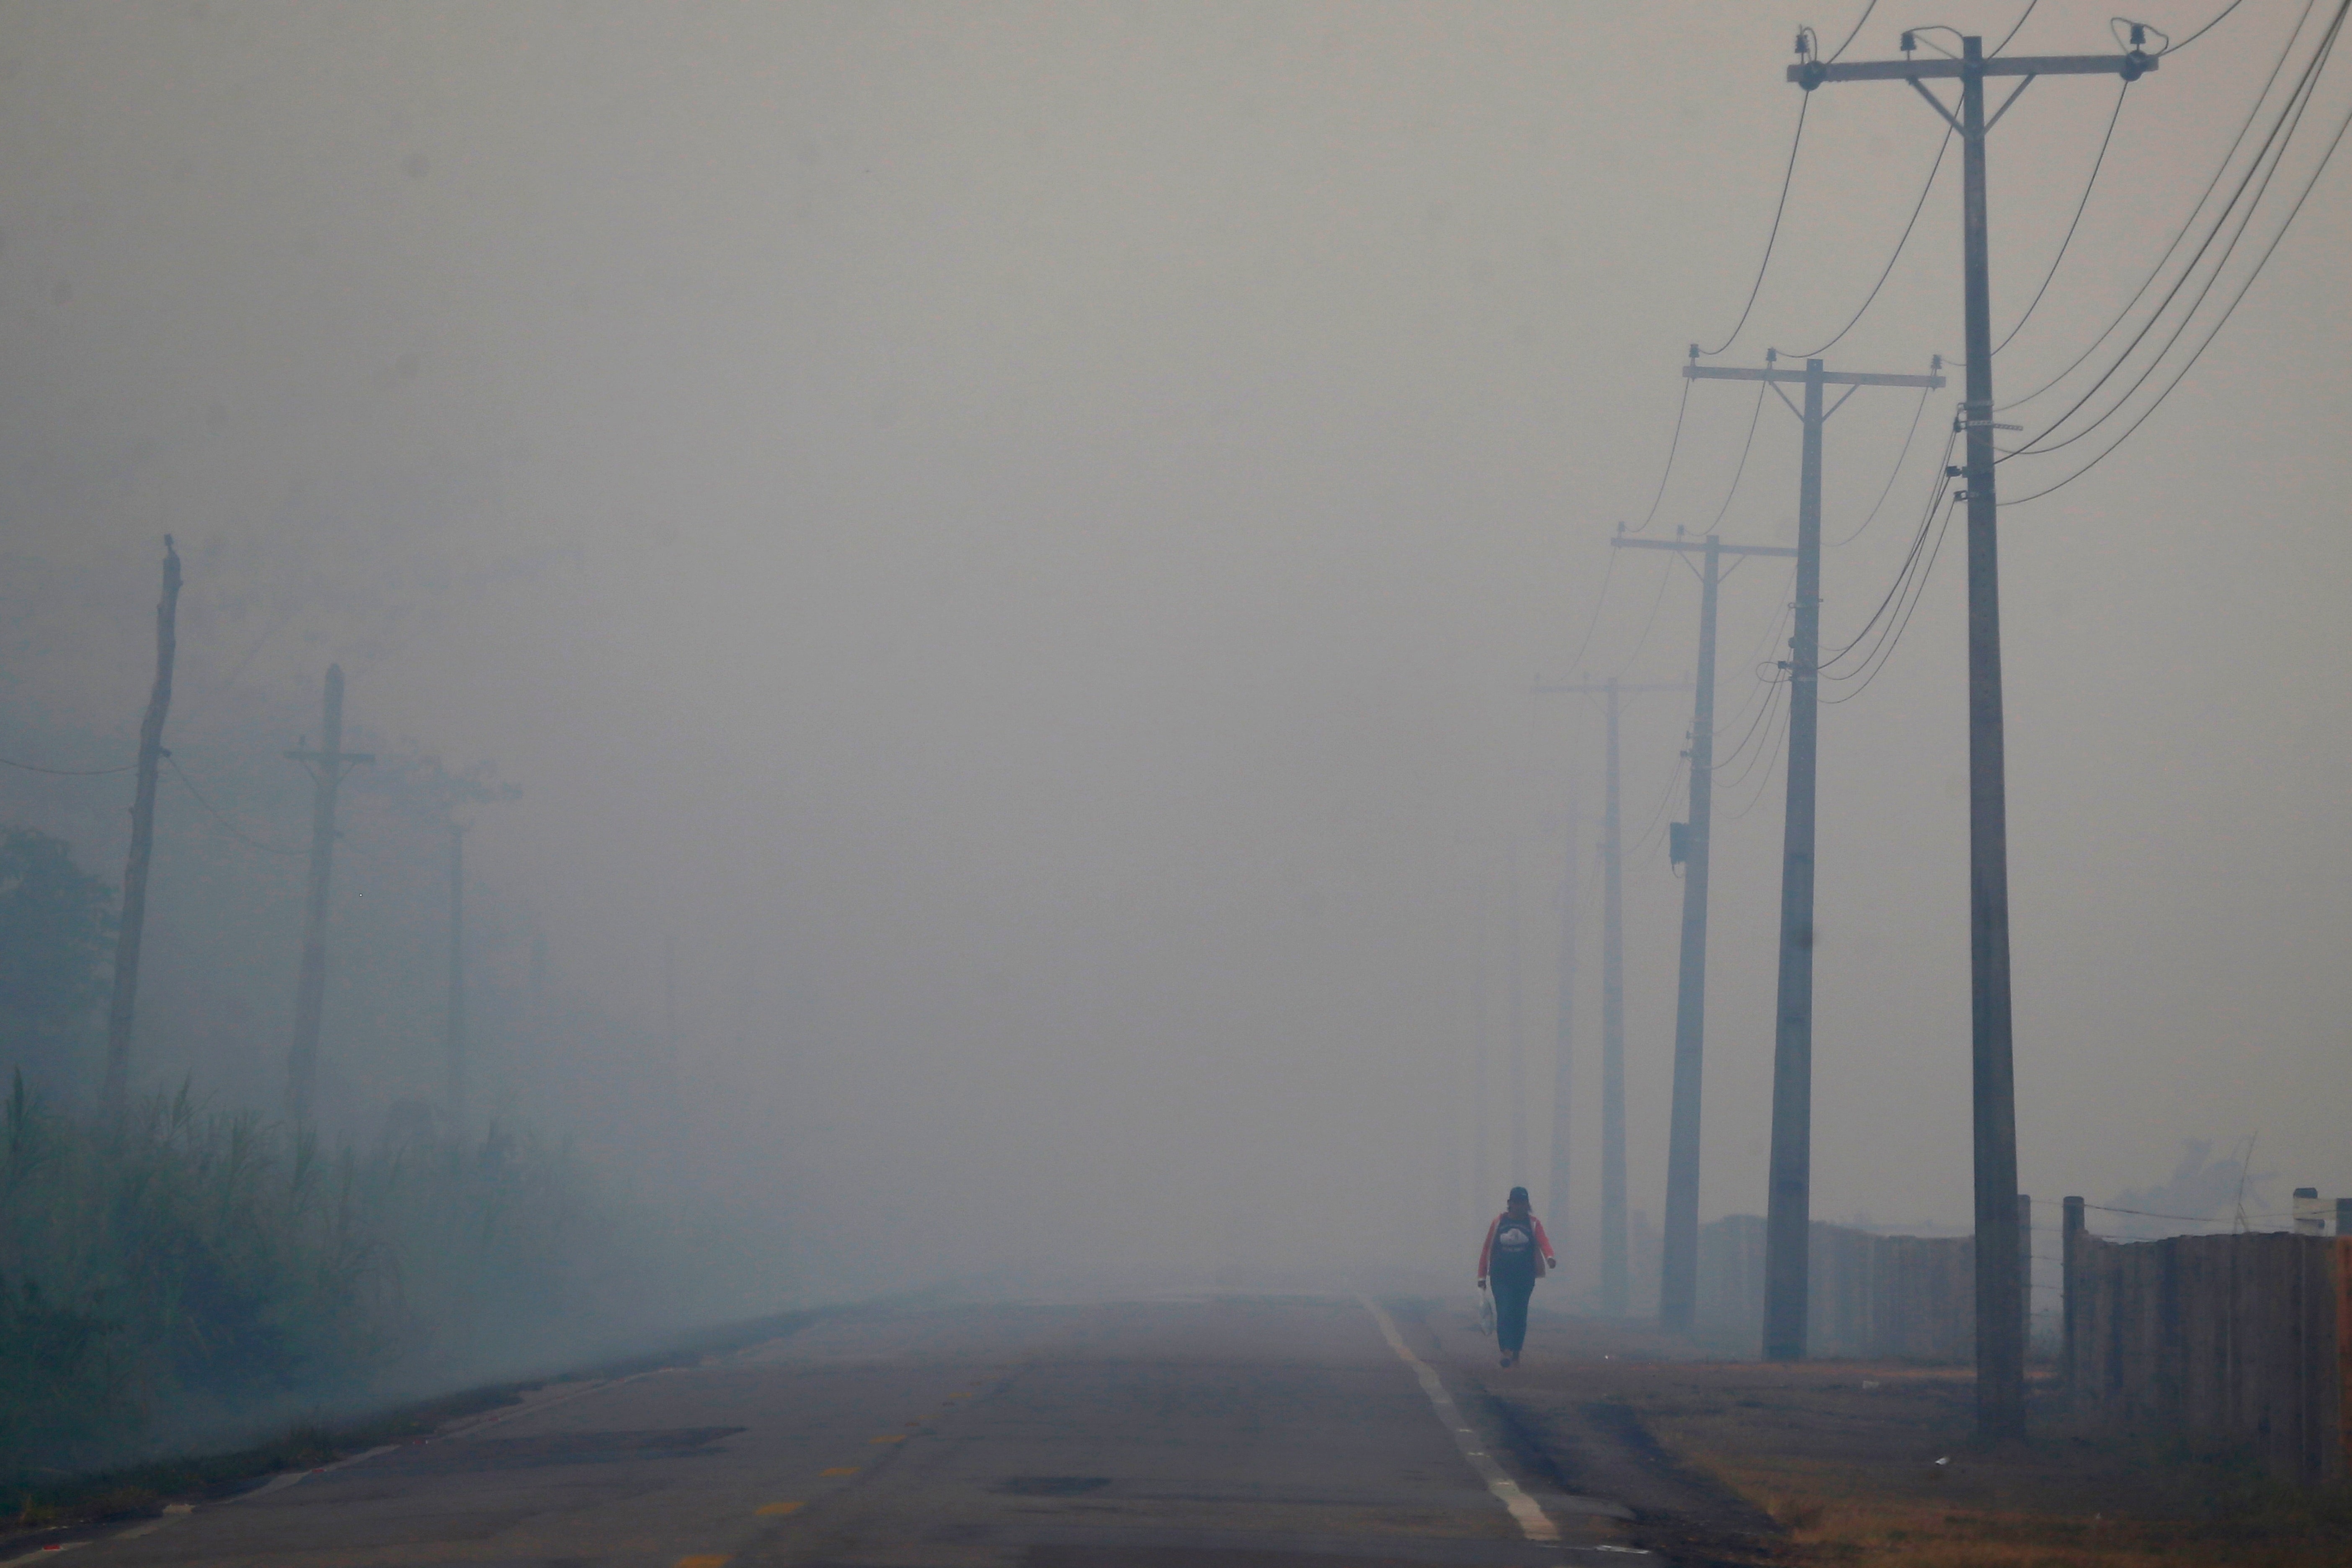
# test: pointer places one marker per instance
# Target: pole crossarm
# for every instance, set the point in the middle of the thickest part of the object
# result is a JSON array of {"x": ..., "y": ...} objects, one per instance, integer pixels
[
  {"x": 1827, "y": 378},
  {"x": 1699, "y": 546},
  {"x": 1811, "y": 74}
]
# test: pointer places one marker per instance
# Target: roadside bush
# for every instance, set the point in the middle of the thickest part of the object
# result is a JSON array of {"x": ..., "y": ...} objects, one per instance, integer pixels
[{"x": 193, "y": 1272}]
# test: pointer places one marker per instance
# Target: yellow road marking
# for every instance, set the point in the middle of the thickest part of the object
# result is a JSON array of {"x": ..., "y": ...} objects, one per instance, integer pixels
[
  {"x": 777, "y": 1509},
  {"x": 839, "y": 1470},
  {"x": 708, "y": 1560}
]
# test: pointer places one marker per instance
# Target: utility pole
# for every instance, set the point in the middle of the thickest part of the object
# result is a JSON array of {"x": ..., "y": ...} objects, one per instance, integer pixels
[
  {"x": 1514, "y": 1094},
  {"x": 1479, "y": 1137},
  {"x": 457, "y": 980},
  {"x": 2000, "y": 1285},
  {"x": 1788, "y": 1202},
  {"x": 1615, "y": 1286},
  {"x": 327, "y": 767},
  {"x": 1678, "y": 1266},
  {"x": 1556, "y": 1200},
  {"x": 115, "y": 1092}
]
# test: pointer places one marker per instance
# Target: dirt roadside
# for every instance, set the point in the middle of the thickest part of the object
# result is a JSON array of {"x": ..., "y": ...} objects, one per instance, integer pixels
[{"x": 1866, "y": 1465}]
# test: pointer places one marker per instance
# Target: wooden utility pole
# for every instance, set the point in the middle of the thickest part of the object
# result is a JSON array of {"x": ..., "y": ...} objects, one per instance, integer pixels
[
  {"x": 2001, "y": 1286},
  {"x": 1556, "y": 1200},
  {"x": 326, "y": 767},
  {"x": 1616, "y": 1288},
  {"x": 1788, "y": 1202},
  {"x": 1515, "y": 1091},
  {"x": 115, "y": 1089},
  {"x": 1678, "y": 1266},
  {"x": 457, "y": 980}
]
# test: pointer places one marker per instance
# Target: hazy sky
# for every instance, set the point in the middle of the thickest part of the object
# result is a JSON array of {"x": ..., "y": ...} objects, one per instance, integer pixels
[{"x": 1022, "y": 533}]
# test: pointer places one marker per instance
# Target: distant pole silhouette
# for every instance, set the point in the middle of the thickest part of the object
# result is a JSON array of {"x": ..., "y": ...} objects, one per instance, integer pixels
[
  {"x": 328, "y": 767},
  {"x": 121, "y": 1006}
]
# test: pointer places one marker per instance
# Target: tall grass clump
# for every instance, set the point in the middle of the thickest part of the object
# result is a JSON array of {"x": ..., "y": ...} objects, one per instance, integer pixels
[{"x": 192, "y": 1272}]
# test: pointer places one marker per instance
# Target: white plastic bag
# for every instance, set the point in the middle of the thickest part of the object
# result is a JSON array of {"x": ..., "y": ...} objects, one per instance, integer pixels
[{"x": 1486, "y": 1314}]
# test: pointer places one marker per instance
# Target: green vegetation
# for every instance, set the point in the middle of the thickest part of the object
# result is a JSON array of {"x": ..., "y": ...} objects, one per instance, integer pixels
[
  {"x": 57, "y": 939},
  {"x": 194, "y": 1274}
]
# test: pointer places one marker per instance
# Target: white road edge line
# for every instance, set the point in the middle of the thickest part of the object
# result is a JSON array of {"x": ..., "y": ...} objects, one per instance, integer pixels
[{"x": 1533, "y": 1522}]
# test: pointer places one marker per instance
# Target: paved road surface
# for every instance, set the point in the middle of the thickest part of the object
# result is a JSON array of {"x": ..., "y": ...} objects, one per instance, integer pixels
[{"x": 1256, "y": 1432}]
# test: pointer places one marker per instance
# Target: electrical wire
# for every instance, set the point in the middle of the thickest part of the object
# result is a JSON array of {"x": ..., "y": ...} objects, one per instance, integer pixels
[
  {"x": 1745, "y": 447},
  {"x": 1918, "y": 537},
  {"x": 2187, "y": 223},
  {"x": 1593, "y": 624},
  {"x": 1664, "y": 576},
  {"x": 2017, "y": 27},
  {"x": 1905, "y": 589},
  {"x": 1889, "y": 271},
  {"x": 2199, "y": 351},
  {"x": 1894, "y": 474},
  {"x": 1766, "y": 719},
  {"x": 217, "y": 815},
  {"x": 1920, "y": 592},
  {"x": 1780, "y": 737},
  {"x": 2087, "y": 186},
  {"x": 2219, "y": 17},
  {"x": 1855, "y": 31},
  {"x": 67, "y": 773},
  {"x": 1759, "y": 685},
  {"x": 1658, "y": 812},
  {"x": 1788, "y": 176},
  {"x": 1672, "y": 446},
  {"x": 2281, "y": 135}
]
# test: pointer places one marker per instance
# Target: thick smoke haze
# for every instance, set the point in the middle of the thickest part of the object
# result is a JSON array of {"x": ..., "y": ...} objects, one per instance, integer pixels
[{"x": 1016, "y": 541}]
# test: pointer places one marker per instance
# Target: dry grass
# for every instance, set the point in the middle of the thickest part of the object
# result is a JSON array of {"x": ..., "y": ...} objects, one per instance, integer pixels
[{"x": 1851, "y": 1472}]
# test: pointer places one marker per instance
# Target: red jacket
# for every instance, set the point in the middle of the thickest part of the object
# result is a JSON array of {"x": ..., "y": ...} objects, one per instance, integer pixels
[{"x": 1545, "y": 1261}]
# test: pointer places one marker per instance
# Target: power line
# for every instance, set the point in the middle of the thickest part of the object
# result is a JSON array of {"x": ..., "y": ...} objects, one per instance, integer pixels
[
  {"x": 2087, "y": 186},
  {"x": 1599, "y": 600},
  {"x": 1779, "y": 738},
  {"x": 1889, "y": 271},
  {"x": 2017, "y": 27},
  {"x": 2271, "y": 153},
  {"x": 1890, "y": 609},
  {"x": 1745, "y": 447},
  {"x": 67, "y": 773},
  {"x": 1918, "y": 535},
  {"x": 1672, "y": 446},
  {"x": 2187, "y": 223},
  {"x": 217, "y": 815},
  {"x": 1667, "y": 572},
  {"x": 2218, "y": 18},
  {"x": 1855, "y": 31},
  {"x": 2200, "y": 352},
  {"x": 1895, "y": 473},
  {"x": 1787, "y": 176},
  {"x": 1895, "y": 640}
]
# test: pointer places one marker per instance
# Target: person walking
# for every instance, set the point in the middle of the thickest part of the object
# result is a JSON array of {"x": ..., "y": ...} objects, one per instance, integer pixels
[{"x": 1516, "y": 1254}]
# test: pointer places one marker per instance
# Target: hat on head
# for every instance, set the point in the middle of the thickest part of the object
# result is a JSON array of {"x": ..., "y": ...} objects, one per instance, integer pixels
[{"x": 1518, "y": 1195}]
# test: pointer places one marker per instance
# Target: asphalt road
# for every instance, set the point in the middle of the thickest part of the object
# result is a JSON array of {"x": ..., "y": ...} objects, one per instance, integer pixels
[{"x": 1256, "y": 1432}]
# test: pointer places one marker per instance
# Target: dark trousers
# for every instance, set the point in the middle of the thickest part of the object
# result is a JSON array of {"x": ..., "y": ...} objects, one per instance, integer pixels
[{"x": 1511, "y": 1311}]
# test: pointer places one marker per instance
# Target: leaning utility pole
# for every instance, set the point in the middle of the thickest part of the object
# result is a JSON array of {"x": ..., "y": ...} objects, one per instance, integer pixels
[
  {"x": 1615, "y": 1286},
  {"x": 327, "y": 768},
  {"x": 1788, "y": 1201},
  {"x": 2000, "y": 1285},
  {"x": 1556, "y": 1200},
  {"x": 116, "y": 1089},
  {"x": 457, "y": 980},
  {"x": 1678, "y": 1266}
]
